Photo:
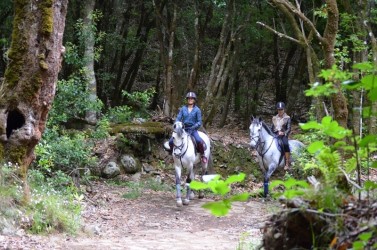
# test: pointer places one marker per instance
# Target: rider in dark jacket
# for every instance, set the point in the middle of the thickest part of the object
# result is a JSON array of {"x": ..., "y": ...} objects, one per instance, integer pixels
[
  {"x": 191, "y": 116},
  {"x": 281, "y": 126}
]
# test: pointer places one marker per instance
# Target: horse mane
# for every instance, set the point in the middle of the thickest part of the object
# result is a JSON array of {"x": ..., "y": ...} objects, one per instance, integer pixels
[{"x": 268, "y": 129}]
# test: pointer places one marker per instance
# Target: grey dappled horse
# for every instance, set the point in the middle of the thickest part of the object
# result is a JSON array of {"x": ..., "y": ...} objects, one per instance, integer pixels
[
  {"x": 186, "y": 156},
  {"x": 266, "y": 143}
]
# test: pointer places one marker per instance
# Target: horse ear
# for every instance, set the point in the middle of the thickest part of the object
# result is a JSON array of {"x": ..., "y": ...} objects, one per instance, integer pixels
[
  {"x": 260, "y": 119},
  {"x": 252, "y": 117}
]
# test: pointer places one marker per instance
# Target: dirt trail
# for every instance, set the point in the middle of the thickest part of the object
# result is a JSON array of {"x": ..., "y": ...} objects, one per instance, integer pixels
[{"x": 153, "y": 221}]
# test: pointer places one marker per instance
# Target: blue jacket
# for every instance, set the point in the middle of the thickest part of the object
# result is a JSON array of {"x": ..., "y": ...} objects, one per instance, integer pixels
[{"x": 192, "y": 120}]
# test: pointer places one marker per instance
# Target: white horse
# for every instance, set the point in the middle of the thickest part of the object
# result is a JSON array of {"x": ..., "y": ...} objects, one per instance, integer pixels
[
  {"x": 185, "y": 155},
  {"x": 266, "y": 143}
]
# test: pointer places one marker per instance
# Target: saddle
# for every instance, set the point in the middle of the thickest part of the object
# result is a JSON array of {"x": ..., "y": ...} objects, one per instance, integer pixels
[{"x": 196, "y": 146}]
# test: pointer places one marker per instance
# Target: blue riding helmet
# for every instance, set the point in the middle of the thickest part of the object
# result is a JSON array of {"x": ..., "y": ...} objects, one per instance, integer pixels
[
  {"x": 280, "y": 105},
  {"x": 191, "y": 95}
]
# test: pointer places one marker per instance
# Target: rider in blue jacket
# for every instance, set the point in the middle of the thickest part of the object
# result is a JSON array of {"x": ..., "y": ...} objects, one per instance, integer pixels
[{"x": 191, "y": 116}]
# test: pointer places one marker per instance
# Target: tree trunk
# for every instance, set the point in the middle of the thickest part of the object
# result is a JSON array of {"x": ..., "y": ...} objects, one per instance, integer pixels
[
  {"x": 28, "y": 90},
  {"x": 338, "y": 100},
  {"x": 90, "y": 116},
  {"x": 200, "y": 29},
  {"x": 167, "y": 25}
]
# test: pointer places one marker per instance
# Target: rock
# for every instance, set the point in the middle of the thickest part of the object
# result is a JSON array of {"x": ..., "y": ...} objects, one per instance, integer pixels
[
  {"x": 130, "y": 164},
  {"x": 111, "y": 170},
  {"x": 147, "y": 168}
]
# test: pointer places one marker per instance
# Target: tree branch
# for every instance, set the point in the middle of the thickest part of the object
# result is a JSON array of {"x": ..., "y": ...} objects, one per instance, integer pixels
[{"x": 279, "y": 33}]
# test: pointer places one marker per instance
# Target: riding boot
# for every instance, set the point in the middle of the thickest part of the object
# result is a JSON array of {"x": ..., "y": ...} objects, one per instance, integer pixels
[
  {"x": 287, "y": 160},
  {"x": 201, "y": 151}
]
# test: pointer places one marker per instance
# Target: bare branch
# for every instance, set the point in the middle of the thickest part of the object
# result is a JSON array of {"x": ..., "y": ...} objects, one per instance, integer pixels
[
  {"x": 300, "y": 15},
  {"x": 279, "y": 33}
]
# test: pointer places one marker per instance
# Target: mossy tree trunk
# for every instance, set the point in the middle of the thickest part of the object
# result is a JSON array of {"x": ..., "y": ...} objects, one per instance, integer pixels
[{"x": 28, "y": 89}]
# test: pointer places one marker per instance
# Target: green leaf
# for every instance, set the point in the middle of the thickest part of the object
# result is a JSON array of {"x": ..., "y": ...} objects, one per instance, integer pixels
[
  {"x": 240, "y": 197},
  {"x": 364, "y": 66},
  {"x": 374, "y": 165},
  {"x": 219, "y": 187},
  {"x": 310, "y": 125},
  {"x": 365, "y": 236},
  {"x": 218, "y": 208},
  {"x": 276, "y": 183},
  {"x": 370, "y": 185},
  {"x": 369, "y": 82},
  {"x": 197, "y": 185},
  {"x": 373, "y": 94},
  {"x": 357, "y": 245},
  {"x": 235, "y": 178},
  {"x": 315, "y": 147},
  {"x": 369, "y": 139},
  {"x": 326, "y": 120}
]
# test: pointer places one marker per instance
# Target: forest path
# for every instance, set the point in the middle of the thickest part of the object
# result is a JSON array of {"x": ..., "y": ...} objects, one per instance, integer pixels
[{"x": 152, "y": 221}]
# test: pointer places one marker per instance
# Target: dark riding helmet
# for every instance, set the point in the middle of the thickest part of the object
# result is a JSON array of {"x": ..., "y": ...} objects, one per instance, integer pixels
[
  {"x": 280, "y": 105},
  {"x": 191, "y": 95}
]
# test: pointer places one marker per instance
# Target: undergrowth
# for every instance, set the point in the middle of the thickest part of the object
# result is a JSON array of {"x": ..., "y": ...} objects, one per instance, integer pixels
[{"x": 54, "y": 207}]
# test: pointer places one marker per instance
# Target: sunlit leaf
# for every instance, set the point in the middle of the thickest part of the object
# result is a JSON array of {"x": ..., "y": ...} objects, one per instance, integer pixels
[
  {"x": 310, "y": 125},
  {"x": 221, "y": 188},
  {"x": 197, "y": 185},
  {"x": 235, "y": 178},
  {"x": 240, "y": 197},
  {"x": 315, "y": 146},
  {"x": 218, "y": 208}
]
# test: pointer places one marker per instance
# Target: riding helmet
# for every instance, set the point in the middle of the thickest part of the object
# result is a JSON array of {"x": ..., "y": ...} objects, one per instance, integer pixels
[
  {"x": 280, "y": 105},
  {"x": 191, "y": 95}
]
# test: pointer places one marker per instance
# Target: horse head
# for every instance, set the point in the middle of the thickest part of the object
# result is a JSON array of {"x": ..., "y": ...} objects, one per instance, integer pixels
[
  {"x": 178, "y": 128},
  {"x": 255, "y": 129}
]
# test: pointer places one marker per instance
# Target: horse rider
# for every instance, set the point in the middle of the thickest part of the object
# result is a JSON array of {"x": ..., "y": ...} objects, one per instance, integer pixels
[
  {"x": 191, "y": 116},
  {"x": 281, "y": 126}
]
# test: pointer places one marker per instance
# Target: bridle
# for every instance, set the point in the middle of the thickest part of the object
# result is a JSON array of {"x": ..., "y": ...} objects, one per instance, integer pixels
[
  {"x": 259, "y": 144},
  {"x": 180, "y": 147}
]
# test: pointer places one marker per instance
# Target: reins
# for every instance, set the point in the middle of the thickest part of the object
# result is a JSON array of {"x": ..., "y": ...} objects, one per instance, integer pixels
[
  {"x": 180, "y": 147},
  {"x": 260, "y": 145}
]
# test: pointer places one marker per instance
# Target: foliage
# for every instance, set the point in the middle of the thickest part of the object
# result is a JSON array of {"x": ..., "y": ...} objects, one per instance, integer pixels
[
  {"x": 139, "y": 103},
  {"x": 72, "y": 101},
  {"x": 102, "y": 129},
  {"x": 54, "y": 202},
  {"x": 222, "y": 188},
  {"x": 64, "y": 152},
  {"x": 54, "y": 206}
]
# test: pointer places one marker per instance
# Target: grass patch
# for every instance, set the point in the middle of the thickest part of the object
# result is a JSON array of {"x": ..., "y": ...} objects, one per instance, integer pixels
[
  {"x": 136, "y": 189},
  {"x": 53, "y": 207}
]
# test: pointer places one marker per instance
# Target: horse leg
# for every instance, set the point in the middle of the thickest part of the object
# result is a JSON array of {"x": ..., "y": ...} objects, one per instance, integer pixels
[
  {"x": 188, "y": 181},
  {"x": 178, "y": 185},
  {"x": 271, "y": 169},
  {"x": 204, "y": 172}
]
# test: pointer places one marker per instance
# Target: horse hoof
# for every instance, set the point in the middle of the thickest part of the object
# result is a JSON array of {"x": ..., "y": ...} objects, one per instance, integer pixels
[
  {"x": 192, "y": 195},
  {"x": 201, "y": 194},
  {"x": 179, "y": 203},
  {"x": 186, "y": 202}
]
